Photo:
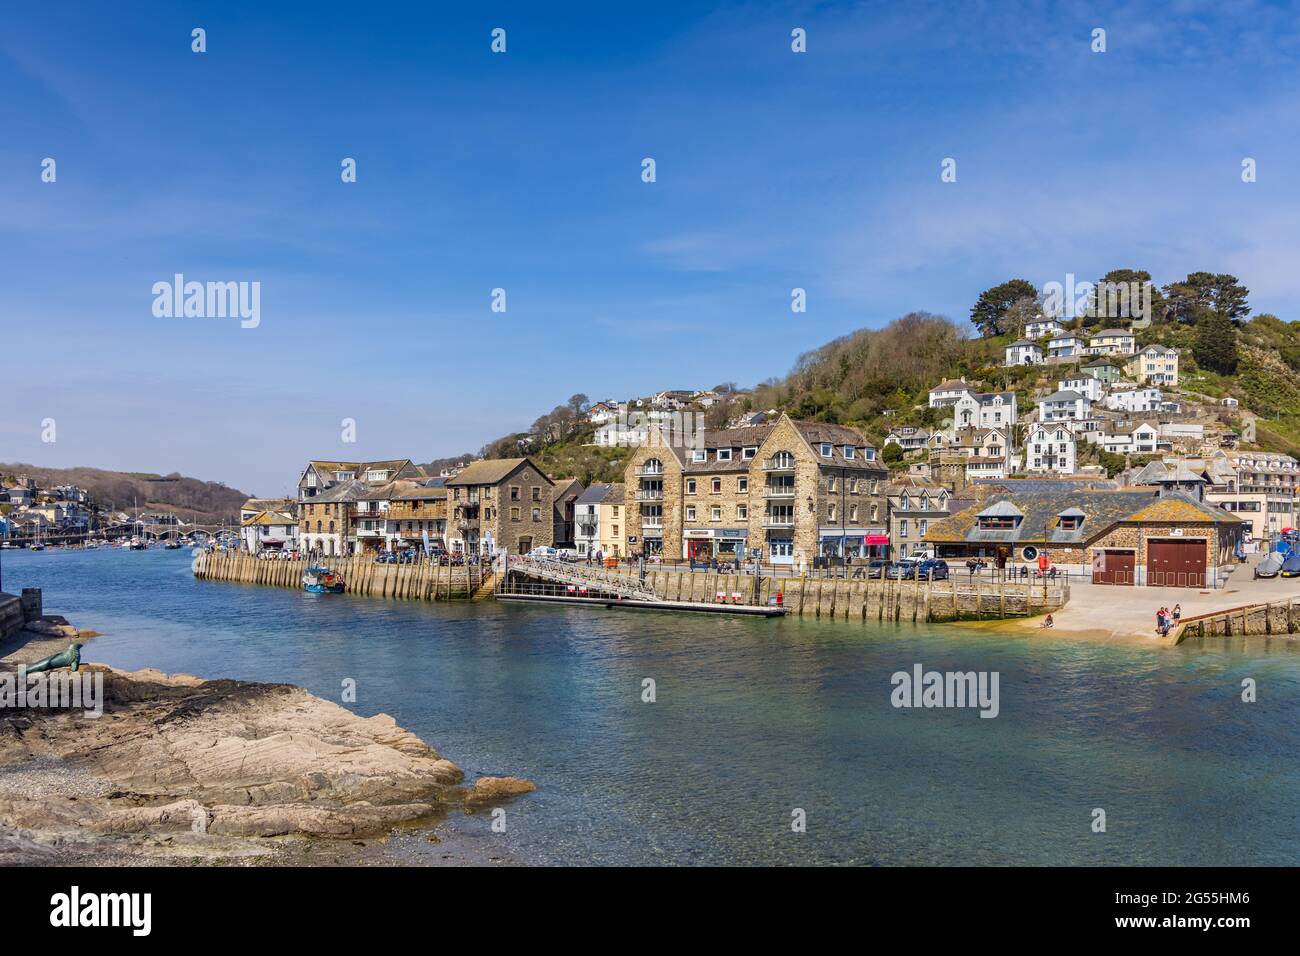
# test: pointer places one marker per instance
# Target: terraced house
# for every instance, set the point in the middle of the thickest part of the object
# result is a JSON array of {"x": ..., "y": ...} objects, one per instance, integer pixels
[
  {"x": 791, "y": 490},
  {"x": 500, "y": 503}
]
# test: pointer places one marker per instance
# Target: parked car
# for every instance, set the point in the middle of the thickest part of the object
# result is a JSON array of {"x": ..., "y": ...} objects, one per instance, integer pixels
[
  {"x": 875, "y": 568},
  {"x": 1291, "y": 566},
  {"x": 544, "y": 551},
  {"x": 932, "y": 569},
  {"x": 900, "y": 570}
]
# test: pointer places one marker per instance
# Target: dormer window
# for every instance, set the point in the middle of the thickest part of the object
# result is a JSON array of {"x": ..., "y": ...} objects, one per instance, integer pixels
[
  {"x": 700, "y": 454},
  {"x": 827, "y": 449},
  {"x": 749, "y": 452},
  {"x": 848, "y": 451},
  {"x": 724, "y": 454}
]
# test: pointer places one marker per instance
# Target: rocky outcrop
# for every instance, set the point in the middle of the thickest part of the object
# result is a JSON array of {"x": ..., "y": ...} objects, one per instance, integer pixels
[{"x": 211, "y": 760}]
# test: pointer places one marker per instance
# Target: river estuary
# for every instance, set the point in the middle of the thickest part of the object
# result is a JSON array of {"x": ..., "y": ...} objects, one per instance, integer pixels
[{"x": 753, "y": 718}]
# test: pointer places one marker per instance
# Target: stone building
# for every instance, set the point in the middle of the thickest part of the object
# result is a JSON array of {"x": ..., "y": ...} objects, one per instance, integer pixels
[
  {"x": 565, "y": 496},
  {"x": 500, "y": 503},
  {"x": 325, "y": 518},
  {"x": 792, "y": 491},
  {"x": 1122, "y": 537}
]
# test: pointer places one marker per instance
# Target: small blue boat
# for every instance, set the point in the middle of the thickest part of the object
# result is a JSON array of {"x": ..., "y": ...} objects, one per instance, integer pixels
[{"x": 322, "y": 581}]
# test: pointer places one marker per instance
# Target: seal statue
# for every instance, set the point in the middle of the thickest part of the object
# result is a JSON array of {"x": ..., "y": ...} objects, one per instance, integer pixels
[{"x": 69, "y": 658}]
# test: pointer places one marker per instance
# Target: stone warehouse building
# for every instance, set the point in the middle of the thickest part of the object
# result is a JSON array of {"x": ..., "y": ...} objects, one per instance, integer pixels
[
  {"x": 500, "y": 503},
  {"x": 1164, "y": 538},
  {"x": 792, "y": 490}
]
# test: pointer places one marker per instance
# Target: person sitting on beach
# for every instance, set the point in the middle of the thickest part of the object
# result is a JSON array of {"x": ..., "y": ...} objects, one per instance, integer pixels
[{"x": 1047, "y": 621}]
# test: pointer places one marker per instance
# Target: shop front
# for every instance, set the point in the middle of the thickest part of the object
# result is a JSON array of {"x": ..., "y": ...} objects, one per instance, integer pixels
[
  {"x": 722, "y": 544},
  {"x": 850, "y": 543}
]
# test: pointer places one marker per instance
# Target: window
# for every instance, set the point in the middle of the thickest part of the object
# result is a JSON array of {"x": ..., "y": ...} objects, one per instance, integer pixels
[
  {"x": 690, "y": 486},
  {"x": 724, "y": 454},
  {"x": 749, "y": 453},
  {"x": 997, "y": 523},
  {"x": 830, "y": 484},
  {"x": 902, "y": 528},
  {"x": 921, "y": 526},
  {"x": 903, "y": 502},
  {"x": 690, "y": 513},
  {"x": 537, "y": 514},
  {"x": 537, "y": 493},
  {"x": 715, "y": 486},
  {"x": 830, "y": 512},
  {"x": 869, "y": 454},
  {"x": 514, "y": 492},
  {"x": 700, "y": 454},
  {"x": 514, "y": 514},
  {"x": 827, "y": 449},
  {"x": 615, "y": 510},
  {"x": 742, "y": 485},
  {"x": 848, "y": 451},
  {"x": 715, "y": 513},
  {"x": 742, "y": 512},
  {"x": 875, "y": 513}
]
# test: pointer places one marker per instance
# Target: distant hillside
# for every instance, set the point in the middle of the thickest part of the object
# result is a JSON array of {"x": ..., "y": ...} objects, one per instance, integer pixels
[
  {"x": 189, "y": 498},
  {"x": 876, "y": 379}
]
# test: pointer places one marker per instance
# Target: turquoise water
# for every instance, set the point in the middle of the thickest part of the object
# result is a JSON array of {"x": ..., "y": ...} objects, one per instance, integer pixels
[{"x": 753, "y": 718}]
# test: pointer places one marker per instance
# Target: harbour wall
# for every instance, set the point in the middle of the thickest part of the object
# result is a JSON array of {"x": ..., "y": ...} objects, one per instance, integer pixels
[
  {"x": 361, "y": 575},
  {"x": 832, "y": 598},
  {"x": 1274, "y": 619}
]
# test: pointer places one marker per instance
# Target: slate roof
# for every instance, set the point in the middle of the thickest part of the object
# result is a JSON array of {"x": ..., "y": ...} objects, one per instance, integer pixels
[
  {"x": 594, "y": 495},
  {"x": 489, "y": 471},
  {"x": 1102, "y": 510}
]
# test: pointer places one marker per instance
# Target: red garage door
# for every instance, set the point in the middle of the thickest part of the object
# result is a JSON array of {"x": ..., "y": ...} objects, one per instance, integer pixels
[
  {"x": 1113, "y": 567},
  {"x": 1177, "y": 563}
]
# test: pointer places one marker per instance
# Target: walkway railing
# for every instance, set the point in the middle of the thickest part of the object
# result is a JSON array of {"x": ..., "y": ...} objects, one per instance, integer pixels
[{"x": 583, "y": 576}]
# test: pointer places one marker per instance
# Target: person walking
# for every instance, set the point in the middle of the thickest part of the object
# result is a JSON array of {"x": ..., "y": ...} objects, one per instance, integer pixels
[{"x": 1178, "y": 612}]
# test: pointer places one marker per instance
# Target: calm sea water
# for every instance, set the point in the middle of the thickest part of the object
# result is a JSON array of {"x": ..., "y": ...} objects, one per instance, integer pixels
[{"x": 753, "y": 719}]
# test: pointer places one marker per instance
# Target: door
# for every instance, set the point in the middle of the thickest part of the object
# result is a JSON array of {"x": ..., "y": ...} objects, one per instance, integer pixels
[
  {"x": 525, "y": 543},
  {"x": 699, "y": 550},
  {"x": 1176, "y": 563},
  {"x": 1113, "y": 567}
]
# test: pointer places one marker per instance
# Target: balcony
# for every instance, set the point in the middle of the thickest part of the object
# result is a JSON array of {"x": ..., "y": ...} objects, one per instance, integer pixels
[
  {"x": 652, "y": 522},
  {"x": 649, "y": 472},
  {"x": 778, "y": 491},
  {"x": 773, "y": 465},
  {"x": 778, "y": 521},
  {"x": 650, "y": 494}
]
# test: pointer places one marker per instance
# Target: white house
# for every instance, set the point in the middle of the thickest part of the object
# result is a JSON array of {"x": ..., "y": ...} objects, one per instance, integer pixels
[
  {"x": 1112, "y": 342},
  {"x": 978, "y": 466},
  {"x": 1085, "y": 385},
  {"x": 604, "y": 412},
  {"x": 1141, "y": 438},
  {"x": 1051, "y": 449},
  {"x": 1023, "y": 352},
  {"x": 270, "y": 531},
  {"x": 1133, "y": 398},
  {"x": 1064, "y": 406},
  {"x": 985, "y": 410},
  {"x": 1065, "y": 346},
  {"x": 1041, "y": 327},
  {"x": 947, "y": 393},
  {"x": 909, "y": 438},
  {"x": 1155, "y": 365}
]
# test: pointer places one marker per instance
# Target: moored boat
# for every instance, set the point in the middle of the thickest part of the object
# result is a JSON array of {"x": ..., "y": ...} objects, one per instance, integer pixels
[{"x": 322, "y": 581}]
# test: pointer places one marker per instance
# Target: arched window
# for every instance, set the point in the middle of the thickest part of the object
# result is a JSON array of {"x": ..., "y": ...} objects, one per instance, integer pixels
[
  {"x": 653, "y": 466},
  {"x": 782, "y": 459}
]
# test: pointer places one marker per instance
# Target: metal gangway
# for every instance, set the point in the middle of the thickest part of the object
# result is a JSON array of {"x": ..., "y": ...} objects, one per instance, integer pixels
[{"x": 581, "y": 576}]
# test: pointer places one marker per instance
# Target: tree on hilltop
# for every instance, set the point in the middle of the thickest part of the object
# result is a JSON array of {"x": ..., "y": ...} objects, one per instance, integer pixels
[{"x": 989, "y": 314}]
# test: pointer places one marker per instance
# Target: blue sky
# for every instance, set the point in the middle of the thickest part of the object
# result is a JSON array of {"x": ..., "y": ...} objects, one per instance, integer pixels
[{"x": 522, "y": 171}]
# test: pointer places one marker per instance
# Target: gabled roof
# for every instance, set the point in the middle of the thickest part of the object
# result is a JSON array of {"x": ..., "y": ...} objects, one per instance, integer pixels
[
  {"x": 1001, "y": 509},
  {"x": 1021, "y": 343},
  {"x": 1062, "y": 396},
  {"x": 1099, "y": 334},
  {"x": 491, "y": 471}
]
